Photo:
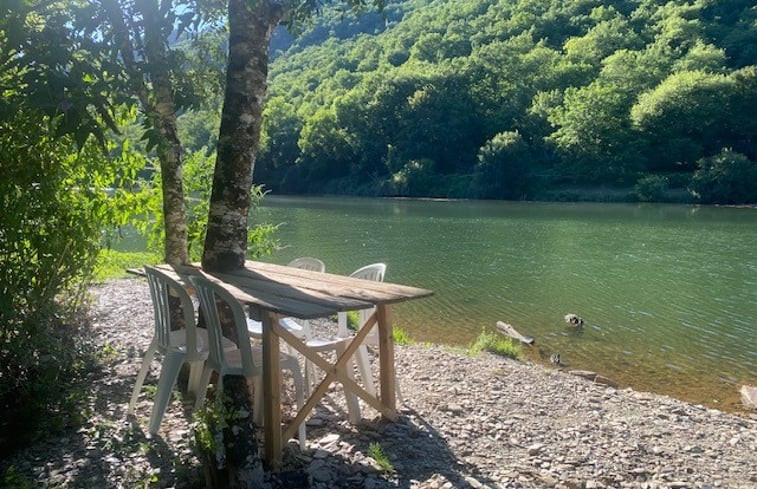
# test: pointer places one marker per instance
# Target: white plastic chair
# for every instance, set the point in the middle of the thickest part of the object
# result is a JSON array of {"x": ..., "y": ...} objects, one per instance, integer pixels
[
  {"x": 303, "y": 331},
  {"x": 245, "y": 361},
  {"x": 375, "y": 272},
  {"x": 255, "y": 328},
  {"x": 188, "y": 344}
]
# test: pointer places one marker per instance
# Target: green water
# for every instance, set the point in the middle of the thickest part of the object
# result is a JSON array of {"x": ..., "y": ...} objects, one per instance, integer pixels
[{"x": 668, "y": 292}]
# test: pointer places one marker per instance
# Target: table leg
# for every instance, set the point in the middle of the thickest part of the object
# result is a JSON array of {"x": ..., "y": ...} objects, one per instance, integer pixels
[
  {"x": 386, "y": 357},
  {"x": 271, "y": 392}
]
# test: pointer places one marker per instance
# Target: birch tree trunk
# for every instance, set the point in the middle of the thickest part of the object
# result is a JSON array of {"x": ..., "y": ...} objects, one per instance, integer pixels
[
  {"x": 251, "y": 24},
  {"x": 162, "y": 116},
  {"x": 157, "y": 102}
]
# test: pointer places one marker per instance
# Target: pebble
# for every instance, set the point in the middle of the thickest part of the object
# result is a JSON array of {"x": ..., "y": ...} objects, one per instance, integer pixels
[{"x": 477, "y": 422}]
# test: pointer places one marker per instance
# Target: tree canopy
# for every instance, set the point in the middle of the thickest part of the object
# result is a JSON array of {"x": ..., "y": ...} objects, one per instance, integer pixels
[{"x": 600, "y": 93}]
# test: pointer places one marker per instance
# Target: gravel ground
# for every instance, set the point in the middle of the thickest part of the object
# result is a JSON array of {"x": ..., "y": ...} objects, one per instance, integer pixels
[{"x": 466, "y": 422}]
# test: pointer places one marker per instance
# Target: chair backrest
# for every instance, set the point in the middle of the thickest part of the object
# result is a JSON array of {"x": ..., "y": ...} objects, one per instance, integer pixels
[
  {"x": 374, "y": 271},
  {"x": 308, "y": 263},
  {"x": 209, "y": 293},
  {"x": 161, "y": 287}
]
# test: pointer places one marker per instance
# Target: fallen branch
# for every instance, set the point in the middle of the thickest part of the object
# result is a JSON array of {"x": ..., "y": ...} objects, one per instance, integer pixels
[{"x": 508, "y": 330}]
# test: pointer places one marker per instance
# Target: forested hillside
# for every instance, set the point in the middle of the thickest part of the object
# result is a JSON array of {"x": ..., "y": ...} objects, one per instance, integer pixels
[{"x": 518, "y": 99}]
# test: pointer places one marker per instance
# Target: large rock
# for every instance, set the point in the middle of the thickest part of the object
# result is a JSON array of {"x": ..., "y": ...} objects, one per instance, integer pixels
[{"x": 749, "y": 396}]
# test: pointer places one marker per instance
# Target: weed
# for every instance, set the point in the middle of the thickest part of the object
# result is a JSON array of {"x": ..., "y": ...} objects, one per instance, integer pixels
[
  {"x": 353, "y": 320},
  {"x": 494, "y": 343},
  {"x": 401, "y": 337},
  {"x": 108, "y": 352},
  {"x": 377, "y": 453}
]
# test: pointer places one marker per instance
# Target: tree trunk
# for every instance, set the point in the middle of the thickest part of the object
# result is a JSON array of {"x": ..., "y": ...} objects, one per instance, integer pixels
[
  {"x": 250, "y": 29},
  {"x": 159, "y": 109},
  {"x": 162, "y": 114}
]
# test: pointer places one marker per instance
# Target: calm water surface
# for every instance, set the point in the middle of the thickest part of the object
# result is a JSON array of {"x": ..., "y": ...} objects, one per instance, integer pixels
[{"x": 668, "y": 292}]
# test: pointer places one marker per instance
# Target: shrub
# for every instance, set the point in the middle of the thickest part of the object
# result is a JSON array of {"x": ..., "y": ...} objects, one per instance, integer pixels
[
  {"x": 414, "y": 179},
  {"x": 725, "y": 178},
  {"x": 494, "y": 343},
  {"x": 502, "y": 171},
  {"x": 198, "y": 175},
  {"x": 53, "y": 207},
  {"x": 651, "y": 188}
]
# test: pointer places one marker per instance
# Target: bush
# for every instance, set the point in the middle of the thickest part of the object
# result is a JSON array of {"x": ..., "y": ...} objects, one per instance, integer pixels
[
  {"x": 494, "y": 343},
  {"x": 198, "y": 175},
  {"x": 651, "y": 188},
  {"x": 53, "y": 207},
  {"x": 726, "y": 178},
  {"x": 414, "y": 179},
  {"x": 502, "y": 171}
]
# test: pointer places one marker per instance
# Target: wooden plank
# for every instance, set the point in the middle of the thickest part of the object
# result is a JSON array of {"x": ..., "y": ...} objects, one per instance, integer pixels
[
  {"x": 271, "y": 392},
  {"x": 386, "y": 357},
  {"x": 318, "y": 280},
  {"x": 251, "y": 281},
  {"x": 333, "y": 372},
  {"x": 300, "y": 303},
  {"x": 267, "y": 301}
]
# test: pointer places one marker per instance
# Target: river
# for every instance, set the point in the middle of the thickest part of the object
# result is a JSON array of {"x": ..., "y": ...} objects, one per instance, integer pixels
[{"x": 668, "y": 293}]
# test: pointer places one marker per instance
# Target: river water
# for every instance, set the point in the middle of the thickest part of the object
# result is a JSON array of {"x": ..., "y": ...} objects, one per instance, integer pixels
[{"x": 668, "y": 293}]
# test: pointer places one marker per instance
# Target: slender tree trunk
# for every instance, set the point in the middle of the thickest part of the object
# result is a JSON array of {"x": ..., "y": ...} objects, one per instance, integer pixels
[
  {"x": 159, "y": 108},
  {"x": 250, "y": 28},
  {"x": 162, "y": 113}
]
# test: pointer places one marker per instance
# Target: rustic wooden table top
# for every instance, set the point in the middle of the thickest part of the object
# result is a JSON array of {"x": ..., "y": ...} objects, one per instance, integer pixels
[{"x": 303, "y": 294}]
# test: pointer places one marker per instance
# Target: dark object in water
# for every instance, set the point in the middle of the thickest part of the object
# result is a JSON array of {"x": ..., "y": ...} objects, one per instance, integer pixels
[
  {"x": 574, "y": 320},
  {"x": 508, "y": 330}
]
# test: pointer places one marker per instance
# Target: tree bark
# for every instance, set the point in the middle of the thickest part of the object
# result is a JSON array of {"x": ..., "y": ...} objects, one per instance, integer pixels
[
  {"x": 160, "y": 110},
  {"x": 250, "y": 27},
  {"x": 162, "y": 115}
]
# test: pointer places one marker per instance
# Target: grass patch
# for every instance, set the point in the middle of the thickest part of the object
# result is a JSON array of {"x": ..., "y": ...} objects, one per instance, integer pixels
[
  {"x": 377, "y": 453},
  {"x": 113, "y": 264},
  {"x": 401, "y": 337},
  {"x": 495, "y": 343},
  {"x": 353, "y": 320}
]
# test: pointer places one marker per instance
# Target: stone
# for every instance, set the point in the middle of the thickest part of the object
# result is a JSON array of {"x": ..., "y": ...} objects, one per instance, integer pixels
[
  {"x": 749, "y": 396},
  {"x": 484, "y": 419},
  {"x": 535, "y": 449}
]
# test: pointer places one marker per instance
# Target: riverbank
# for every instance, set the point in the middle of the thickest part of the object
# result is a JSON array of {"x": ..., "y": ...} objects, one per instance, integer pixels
[{"x": 466, "y": 421}]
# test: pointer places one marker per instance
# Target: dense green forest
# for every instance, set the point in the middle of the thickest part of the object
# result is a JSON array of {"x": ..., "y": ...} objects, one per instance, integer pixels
[{"x": 516, "y": 99}]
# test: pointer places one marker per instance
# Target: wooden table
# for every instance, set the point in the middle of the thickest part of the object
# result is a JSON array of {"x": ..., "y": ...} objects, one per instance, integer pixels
[{"x": 275, "y": 291}]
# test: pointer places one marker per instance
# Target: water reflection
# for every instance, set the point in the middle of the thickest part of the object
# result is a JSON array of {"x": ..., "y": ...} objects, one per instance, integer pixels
[{"x": 668, "y": 291}]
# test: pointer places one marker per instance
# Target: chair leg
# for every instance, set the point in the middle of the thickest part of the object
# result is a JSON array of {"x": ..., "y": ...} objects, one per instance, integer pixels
[
  {"x": 364, "y": 366},
  {"x": 353, "y": 407},
  {"x": 195, "y": 373},
  {"x": 146, "y": 362},
  {"x": 169, "y": 372},
  {"x": 310, "y": 378},
  {"x": 257, "y": 415},
  {"x": 202, "y": 387},
  {"x": 299, "y": 392}
]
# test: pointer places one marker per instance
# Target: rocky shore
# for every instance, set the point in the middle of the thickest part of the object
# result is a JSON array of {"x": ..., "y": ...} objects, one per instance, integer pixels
[{"x": 466, "y": 422}]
